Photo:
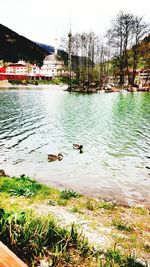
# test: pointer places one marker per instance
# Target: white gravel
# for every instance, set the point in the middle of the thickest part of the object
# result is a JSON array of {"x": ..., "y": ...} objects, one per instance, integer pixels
[{"x": 98, "y": 239}]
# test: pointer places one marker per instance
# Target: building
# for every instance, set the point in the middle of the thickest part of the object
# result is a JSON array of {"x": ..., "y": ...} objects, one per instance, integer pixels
[
  {"x": 53, "y": 66},
  {"x": 33, "y": 72},
  {"x": 144, "y": 77},
  {"x": 17, "y": 69},
  {"x": 2, "y": 73}
]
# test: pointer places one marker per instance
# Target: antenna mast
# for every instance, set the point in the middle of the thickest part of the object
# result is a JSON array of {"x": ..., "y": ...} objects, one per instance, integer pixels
[{"x": 69, "y": 55}]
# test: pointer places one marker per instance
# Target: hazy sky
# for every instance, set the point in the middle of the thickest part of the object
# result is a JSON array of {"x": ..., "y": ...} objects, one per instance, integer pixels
[{"x": 43, "y": 20}]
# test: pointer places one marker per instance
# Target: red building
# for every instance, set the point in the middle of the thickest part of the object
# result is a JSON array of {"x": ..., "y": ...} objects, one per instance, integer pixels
[
  {"x": 14, "y": 71},
  {"x": 3, "y": 73}
]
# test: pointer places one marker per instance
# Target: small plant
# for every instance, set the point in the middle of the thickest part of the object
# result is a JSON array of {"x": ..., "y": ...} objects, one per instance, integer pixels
[
  {"x": 51, "y": 202},
  {"x": 147, "y": 248},
  {"x": 80, "y": 241},
  {"x": 120, "y": 225},
  {"x": 107, "y": 205},
  {"x": 131, "y": 261},
  {"x": 76, "y": 210},
  {"x": 67, "y": 194},
  {"x": 133, "y": 238},
  {"x": 20, "y": 191},
  {"x": 62, "y": 202},
  {"x": 140, "y": 210},
  {"x": 114, "y": 256},
  {"x": 91, "y": 204}
]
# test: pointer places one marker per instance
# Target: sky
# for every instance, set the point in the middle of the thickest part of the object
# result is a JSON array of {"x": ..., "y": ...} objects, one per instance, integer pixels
[{"x": 47, "y": 20}]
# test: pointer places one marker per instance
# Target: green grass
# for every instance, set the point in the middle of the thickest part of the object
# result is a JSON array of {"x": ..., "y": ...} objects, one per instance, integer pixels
[
  {"x": 76, "y": 210},
  {"x": 140, "y": 210},
  {"x": 27, "y": 187},
  {"x": 107, "y": 205},
  {"x": 35, "y": 238},
  {"x": 115, "y": 257},
  {"x": 23, "y": 186},
  {"x": 30, "y": 236}
]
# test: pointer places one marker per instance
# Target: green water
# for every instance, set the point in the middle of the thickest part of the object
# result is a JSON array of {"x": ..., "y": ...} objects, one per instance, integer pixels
[{"x": 114, "y": 130}]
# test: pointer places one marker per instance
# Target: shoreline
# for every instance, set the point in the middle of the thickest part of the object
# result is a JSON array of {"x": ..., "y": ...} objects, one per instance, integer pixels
[
  {"x": 105, "y": 226},
  {"x": 108, "y": 90},
  {"x": 111, "y": 194},
  {"x": 45, "y": 86},
  {"x": 65, "y": 88}
]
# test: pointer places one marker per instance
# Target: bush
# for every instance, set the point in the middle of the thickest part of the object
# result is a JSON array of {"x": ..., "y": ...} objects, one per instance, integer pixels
[{"x": 67, "y": 194}]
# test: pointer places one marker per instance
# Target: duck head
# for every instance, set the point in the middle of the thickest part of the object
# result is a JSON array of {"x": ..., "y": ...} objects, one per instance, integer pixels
[
  {"x": 60, "y": 156},
  {"x": 81, "y": 149}
]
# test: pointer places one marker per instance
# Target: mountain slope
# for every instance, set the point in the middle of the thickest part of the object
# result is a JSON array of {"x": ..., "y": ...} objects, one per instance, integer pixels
[
  {"x": 14, "y": 47},
  {"x": 50, "y": 49}
]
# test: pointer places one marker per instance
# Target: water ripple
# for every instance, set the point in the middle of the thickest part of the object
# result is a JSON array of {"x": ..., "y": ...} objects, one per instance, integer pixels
[{"x": 113, "y": 128}]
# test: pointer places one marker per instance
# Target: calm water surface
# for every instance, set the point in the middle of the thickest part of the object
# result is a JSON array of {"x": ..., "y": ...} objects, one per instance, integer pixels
[{"x": 113, "y": 128}]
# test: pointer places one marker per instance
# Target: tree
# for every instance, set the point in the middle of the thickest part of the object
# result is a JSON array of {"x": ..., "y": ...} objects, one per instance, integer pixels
[
  {"x": 119, "y": 37},
  {"x": 140, "y": 28},
  {"x": 124, "y": 38}
]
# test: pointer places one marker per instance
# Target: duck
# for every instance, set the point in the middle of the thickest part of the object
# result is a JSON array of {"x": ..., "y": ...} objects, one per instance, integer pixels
[
  {"x": 79, "y": 147},
  {"x": 52, "y": 157}
]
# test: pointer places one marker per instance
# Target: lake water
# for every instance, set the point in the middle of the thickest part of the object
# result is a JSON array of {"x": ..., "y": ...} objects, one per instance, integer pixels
[{"x": 113, "y": 128}]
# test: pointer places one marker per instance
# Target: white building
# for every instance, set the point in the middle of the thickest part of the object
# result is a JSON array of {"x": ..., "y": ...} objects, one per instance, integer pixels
[
  {"x": 34, "y": 70},
  {"x": 53, "y": 66}
]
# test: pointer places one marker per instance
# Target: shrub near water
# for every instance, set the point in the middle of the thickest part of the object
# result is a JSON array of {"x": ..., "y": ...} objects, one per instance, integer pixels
[
  {"x": 67, "y": 194},
  {"x": 23, "y": 186}
]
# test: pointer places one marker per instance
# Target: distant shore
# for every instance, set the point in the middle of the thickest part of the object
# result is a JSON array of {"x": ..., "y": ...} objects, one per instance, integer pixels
[
  {"x": 108, "y": 89},
  {"x": 65, "y": 87},
  {"x": 60, "y": 87}
]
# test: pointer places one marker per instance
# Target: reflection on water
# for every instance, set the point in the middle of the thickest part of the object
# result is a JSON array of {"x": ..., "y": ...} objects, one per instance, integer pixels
[{"x": 113, "y": 128}]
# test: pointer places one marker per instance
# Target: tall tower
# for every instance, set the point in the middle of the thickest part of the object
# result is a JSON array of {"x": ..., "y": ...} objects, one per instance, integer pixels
[
  {"x": 69, "y": 57},
  {"x": 56, "y": 45}
]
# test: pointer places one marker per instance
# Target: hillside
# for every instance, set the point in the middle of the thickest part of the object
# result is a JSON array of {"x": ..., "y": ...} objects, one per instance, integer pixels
[
  {"x": 50, "y": 49},
  {"x": 14, "y": 47}
]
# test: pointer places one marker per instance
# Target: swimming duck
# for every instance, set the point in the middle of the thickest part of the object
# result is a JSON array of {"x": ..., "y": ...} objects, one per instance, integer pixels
[
  {"x": 55, "y": 157},
  {"x": 79, "y": 147}
]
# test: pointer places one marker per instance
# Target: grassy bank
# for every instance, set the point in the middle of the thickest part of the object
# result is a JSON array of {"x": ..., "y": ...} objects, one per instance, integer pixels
[{"x": 43, "y": 224}]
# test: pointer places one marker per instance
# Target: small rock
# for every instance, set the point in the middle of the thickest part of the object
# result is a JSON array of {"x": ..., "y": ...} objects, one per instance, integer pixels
[{"x": 44, "y": 263}]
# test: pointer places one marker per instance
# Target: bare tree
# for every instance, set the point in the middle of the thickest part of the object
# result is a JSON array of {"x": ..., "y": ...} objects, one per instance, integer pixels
[{"x": 120, "y": 36}]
